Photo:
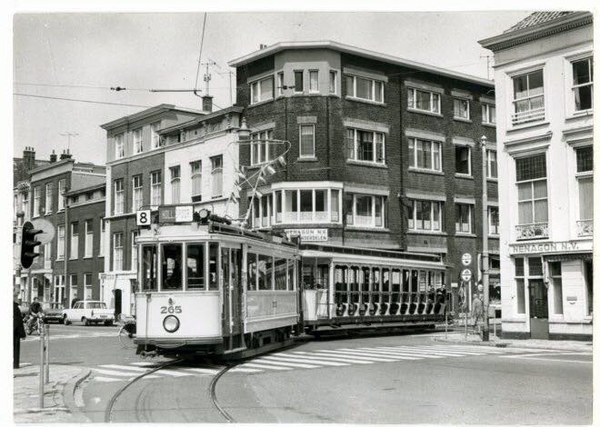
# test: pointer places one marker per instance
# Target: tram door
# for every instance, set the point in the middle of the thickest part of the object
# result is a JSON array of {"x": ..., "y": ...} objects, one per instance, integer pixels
[{"x": 232, "y": 305}]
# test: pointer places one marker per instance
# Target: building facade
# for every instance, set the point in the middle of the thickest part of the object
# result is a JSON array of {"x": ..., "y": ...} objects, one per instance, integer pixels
[
  {"x": 360, "y": 149},
  {"x": 163, "y": 156},
  {"x": 544, "y": 95}
]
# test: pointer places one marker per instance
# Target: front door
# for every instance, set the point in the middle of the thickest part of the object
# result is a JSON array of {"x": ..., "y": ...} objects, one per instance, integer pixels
[{"x": 538, "y": 309}]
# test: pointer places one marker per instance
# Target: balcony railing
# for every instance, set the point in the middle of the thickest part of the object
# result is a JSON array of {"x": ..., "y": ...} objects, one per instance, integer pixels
[
  {"x": 528, "y": 116},
  {"x": 532, "y": 231},
  {"x": 585, "y": 228}
]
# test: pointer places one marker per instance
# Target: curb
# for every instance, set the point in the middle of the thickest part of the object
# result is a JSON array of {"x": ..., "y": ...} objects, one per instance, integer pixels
[
  {"x": 69, "y": 396},
  {"x": 503, "y": 344}
]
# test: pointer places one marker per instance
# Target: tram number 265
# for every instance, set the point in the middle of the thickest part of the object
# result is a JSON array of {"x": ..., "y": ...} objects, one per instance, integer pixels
[{"x": 170, "y": 309}]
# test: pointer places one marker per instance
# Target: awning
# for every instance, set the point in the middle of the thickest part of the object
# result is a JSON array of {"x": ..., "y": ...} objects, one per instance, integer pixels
[{"x": 586, "y": 256}]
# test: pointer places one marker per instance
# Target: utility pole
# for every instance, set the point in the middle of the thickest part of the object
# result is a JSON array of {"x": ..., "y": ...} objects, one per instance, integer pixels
[
  {"x": 69, "y": 135},
  {"x": 207, "y": 75},
  {"x": 485, "y": 279},
  {"x": 231, "y": 73},
  {"x": 487, "y": 64}
]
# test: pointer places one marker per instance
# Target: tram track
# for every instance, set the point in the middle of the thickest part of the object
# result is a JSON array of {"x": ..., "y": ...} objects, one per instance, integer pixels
[{"x": 211, "y": 390}]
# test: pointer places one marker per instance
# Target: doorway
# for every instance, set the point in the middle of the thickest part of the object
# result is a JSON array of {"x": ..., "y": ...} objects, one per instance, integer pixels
[{"x": 538, "y": 309}]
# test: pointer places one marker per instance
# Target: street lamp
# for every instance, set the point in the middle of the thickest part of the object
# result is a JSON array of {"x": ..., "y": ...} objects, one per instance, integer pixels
[{"x": 485, "y": 270}]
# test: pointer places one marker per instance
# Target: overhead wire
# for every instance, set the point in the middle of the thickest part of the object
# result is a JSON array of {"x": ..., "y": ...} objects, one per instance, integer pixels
[
  {"x": 82, "y": 100},
  {"x": 200, "y": 52}
]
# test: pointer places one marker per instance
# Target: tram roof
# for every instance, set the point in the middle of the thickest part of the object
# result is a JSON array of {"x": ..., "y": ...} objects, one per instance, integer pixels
[{"x": 380, "y": 253}]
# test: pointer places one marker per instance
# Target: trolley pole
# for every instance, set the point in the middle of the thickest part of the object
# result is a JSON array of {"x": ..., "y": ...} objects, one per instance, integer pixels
[{"x": 484, "y": 245}]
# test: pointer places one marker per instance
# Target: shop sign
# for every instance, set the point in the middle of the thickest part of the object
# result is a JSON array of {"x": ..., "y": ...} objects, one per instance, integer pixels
[
  {"x": 309, "y": 234},
  {"x": 545, "y": 247}
]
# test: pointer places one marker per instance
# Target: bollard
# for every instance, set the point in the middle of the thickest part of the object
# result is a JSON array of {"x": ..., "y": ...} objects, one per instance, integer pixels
[
  {"x": 41, "y": 379},
  {"x": 47, "y": 348}
]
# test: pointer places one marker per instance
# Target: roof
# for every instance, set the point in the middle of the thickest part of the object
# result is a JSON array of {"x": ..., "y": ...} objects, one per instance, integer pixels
[
  {"x": 207, "y": 117},
  {"x": 328, "y": 44},
  {"x": 157, "y": 109},
  {"x": 537, "y": 18}
]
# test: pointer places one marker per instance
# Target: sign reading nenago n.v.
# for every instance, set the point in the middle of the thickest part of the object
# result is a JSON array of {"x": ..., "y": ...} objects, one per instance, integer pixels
[{"x": 549, "y": 247}]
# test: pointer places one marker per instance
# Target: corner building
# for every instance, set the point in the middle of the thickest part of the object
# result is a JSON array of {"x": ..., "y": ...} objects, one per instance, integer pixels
[
  {"x": 382, "y": 152},
  {"x": 544, "y": 90}
]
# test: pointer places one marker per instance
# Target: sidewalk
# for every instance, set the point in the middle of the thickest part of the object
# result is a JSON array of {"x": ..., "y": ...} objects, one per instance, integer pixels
[
  {"x": 59, "y": 406},
  {"x": 458, "y": 336}
]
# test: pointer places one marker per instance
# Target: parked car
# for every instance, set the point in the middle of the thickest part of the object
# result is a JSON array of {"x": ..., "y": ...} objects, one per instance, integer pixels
[
  {"x": 89, "y": 312},
  {"x": 53, "y": 312}
]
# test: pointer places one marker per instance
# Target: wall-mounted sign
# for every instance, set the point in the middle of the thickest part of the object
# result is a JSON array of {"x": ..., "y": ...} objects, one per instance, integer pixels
[
  {"x": 466, "y": 259},
  {"x": 309, "y": 234},
  {"x": 466, "y": 275},
  {"x": 546, "y": 247},
  {"x": 169, "y": 214},
  {"x": 143, "y": 217}
]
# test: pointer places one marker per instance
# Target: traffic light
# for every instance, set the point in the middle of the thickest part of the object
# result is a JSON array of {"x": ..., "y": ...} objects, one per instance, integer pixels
[{"x": 28, "y": 244}]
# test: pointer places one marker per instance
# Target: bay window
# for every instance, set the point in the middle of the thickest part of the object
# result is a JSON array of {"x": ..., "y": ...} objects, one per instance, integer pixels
[
  {"x": 528, "y": 103},
  {"x": 261, "y": 90},
  {"x": 313, "y": 81},
  {"x": 424, "y": 100},
  {"x": 365, "y": 146},
  {"x": 424, "y": 215},
  {"x": 423, "y": 154},
  {"x": 365, "y": 88},
  {"x": 333, "y": 82},
  {"x": 298, "y": 81},
  {"x": 280, "y": 84},
  {"x": 260, "y": 149},
  {"x": 365, "y": 210},
  {"x": 583, "y": 86}
]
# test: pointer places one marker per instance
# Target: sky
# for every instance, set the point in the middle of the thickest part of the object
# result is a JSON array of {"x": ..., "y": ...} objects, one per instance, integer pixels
[{"x": 81, "y": 55}]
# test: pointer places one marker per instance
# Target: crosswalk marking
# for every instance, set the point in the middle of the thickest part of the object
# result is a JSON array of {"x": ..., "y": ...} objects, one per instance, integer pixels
[
  {"x": 292, "y": 364},
  {"x": 172, "y": 373},
  {"x": 349, "y": 359},
  {"x": 263, "y": 366},
  {"x": 311, "y": 359},
  {"x": 430, "y": 351},
  {"x": 406, "y": 352},
  {"x": 106, "y": 379},
  {"x": 201, "y": 370},
  {"x": 367, "y": 358},
  {"x": 387, "y": 355},
  {"x": 248, "y": 370}
]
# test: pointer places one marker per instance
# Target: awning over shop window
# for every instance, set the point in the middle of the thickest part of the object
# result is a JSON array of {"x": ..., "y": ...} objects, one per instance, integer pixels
[{"x": 568, "y": 257}]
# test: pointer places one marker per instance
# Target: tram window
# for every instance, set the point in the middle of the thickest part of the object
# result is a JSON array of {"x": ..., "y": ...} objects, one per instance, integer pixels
[
  {"x": 376, "y": 279},
  {"x": 290, "y": 274},
  {"x": 196, "y": 254},
  {"x": 423, "y": 280},
  {"x": 405, "y": 281},
  {"x": 235, "y": 268},
  {"x": 225, "y": 266},
  {"x": 172, "y": 278},
  {"x": 308, "y": 276},
  {"x": 322, "y": 279},
  {"x": 340, "y": 278},
  {"x": 396, "y": 280},
  {"x": 385, "y": 276},
  {"x": 149, "y": 268},
  {"x": 265, "y": 269},
  {"x": 251, "y": 267},
  {"x": 213, "y": 264},
  {"x": 414, "y": 282},
  {"x": 280, "y": 274},
  {"x": 352, "y": 278}
]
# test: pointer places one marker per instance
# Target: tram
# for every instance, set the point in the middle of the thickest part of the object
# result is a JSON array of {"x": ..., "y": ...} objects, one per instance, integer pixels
[{"x": 206, "y": 287}]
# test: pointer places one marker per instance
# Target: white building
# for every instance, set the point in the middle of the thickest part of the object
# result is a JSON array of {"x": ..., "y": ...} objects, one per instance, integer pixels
[{"x": 544, "y": 102}]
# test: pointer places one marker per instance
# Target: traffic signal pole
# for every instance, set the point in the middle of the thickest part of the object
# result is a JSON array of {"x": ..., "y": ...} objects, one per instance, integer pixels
[{"x": 485, "y": 279}]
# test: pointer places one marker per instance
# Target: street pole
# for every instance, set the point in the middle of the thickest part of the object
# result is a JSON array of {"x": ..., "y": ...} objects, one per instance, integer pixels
[
  {"x": 41, "y": 378},
  {"x": 484, "y": 245}
]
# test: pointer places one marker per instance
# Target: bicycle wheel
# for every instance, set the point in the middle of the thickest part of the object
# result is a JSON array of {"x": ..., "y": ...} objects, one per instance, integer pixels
[{"x": 126, "y": 338}]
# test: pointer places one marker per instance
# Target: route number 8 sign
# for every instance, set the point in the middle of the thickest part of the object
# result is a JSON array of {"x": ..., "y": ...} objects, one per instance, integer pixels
[{"x": 143, "y": 217}]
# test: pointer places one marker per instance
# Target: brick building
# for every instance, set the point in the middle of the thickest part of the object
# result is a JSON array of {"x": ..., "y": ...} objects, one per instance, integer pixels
[
  {"x": 382, "y": 152},
  {"x": 544, "y": 87}
]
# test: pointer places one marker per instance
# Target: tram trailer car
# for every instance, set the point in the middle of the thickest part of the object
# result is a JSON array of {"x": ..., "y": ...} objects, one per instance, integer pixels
[{"x": 215, "y": 289}]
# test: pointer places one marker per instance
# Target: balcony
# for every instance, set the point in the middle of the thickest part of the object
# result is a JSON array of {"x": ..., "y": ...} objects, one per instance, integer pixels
[
  {"x": 532, "y": 231},
  {"x": 528, "y": 116},
  {"x": 585, "y": 228}
]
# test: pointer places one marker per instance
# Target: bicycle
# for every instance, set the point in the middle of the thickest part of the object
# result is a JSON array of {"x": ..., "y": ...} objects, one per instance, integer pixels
[
  {"x": 127, "y": 333},
  {"x": 35, "y": 325}
]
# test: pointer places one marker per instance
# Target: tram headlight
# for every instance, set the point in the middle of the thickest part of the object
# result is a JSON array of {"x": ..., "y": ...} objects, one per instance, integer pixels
[{"x": 171, "y": 323}]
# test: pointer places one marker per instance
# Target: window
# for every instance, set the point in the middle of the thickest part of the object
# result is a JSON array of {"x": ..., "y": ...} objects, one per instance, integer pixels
[
  {"x": 464, "y": 218},
  {"x": 333, "y": 82},
  {"x": 48, "y": 205},
  {"x": 117, "y": 251},
  {"x": 528, "y": 98},
  {"x": 102, "y": 236},
  {"x": 462, "y": 109},
  {"x": 87, "y": 286},
  {"x": 171, "y": 260},
  {"x": 74, "y": 240},
  {"x": 492, "y": 164},
  {"x": 493, "y": 221},
  {"x": 60, "y": 245},
  {"x": 298, "y": 81},
  {"x": 119, "y": 146},
  {"x": 25, "y": 205},
  {"x": 196, "y": 257},
  {"x": 316, "y": 206},
  {"x": 265, "y": 268},
  {"x": 156, "y": 188},
  {"x": 89, "y": 238},
  {"x": 119, "y": 197},
  {"x": 424, "y": 154},
  {"x": 157, "y": 141},
  {"x": 137, "y": 184},
  {"x": 556, "y": 277},
  {"x": 313, "y": 81},
  {"x": 61, "y": 194},
  {"x": 365, "y": 146},
  {"x": 196, "y": 180},
  {"x": 37, "y": 199},
  {"x": 251, "y": 271},
  {"x": 216, "y": 164},
  {"x": 463, "y": 159},
  {"x": 532, "y": 191},
  {"x": 137, "y": 141},
  {"x": 424, "y": 100},
  {"x": 279, "y": 84},
  {"x": 364, "y": 88},
  {"x": 520, "y": 282},
  {"x": 134, "y": 252},
  {"x": 585, "y": 167},
  {"x": 585, "y": 159},
  {"x": 74, "y": 289},
  {"x": 260, "y": 149},
  {"x": 424, "y": 215},
  {"x": 175, "y": 184},
  {"x": 261, "y": 90},
  {"x": 366, "y": 211},
  {"x": 583, "y": 86},
  {"x": 488, "y": 114},
  {"x": 307, "y": 141}
]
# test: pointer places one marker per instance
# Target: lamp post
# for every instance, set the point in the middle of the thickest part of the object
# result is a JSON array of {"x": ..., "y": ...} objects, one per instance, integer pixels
[{"x": 485, "y": 270}]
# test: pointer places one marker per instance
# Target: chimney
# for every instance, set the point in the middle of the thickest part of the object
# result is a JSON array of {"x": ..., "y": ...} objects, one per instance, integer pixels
[
  {"x": 65, "y": 155},
  {"x": 207, "y": 103},
  {"x": 53, "y": 157},
  {"x": 29, "y": 158}
]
